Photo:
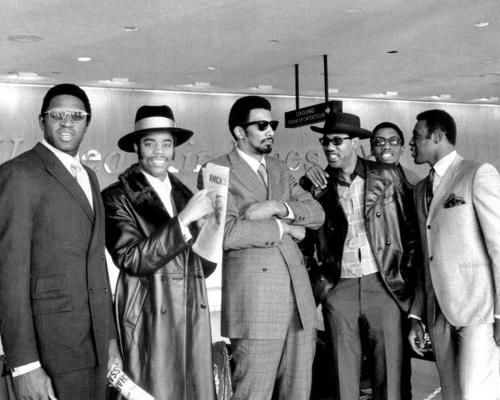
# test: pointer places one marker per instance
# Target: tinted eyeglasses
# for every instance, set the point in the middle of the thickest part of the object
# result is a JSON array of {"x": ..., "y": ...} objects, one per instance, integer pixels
[
  {"x": 59, "y": 114},
  {"x": 262, "y": 124},
  {"x": 336, "y": 140},
  {"x": 381, "y": 141}
]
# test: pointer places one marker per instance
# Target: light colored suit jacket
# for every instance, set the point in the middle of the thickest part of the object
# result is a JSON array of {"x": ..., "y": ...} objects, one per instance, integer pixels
[
  {"x": 259, "y": 268},
  {"x": 460, "y": 238}
]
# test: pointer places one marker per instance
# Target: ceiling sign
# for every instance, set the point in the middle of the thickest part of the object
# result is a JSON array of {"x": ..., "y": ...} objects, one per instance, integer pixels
[{"x": 311, "y": 114}]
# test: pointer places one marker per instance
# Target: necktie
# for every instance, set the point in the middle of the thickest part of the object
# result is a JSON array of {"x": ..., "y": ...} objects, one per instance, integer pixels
[
  {"x": 262, "y": 173},
  {"x": 82, "y": 178},
  {"x": 429, "y": 193}
]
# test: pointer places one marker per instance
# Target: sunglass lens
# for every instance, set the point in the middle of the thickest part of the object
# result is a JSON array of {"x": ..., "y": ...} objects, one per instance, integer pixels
[{"x": 78, "y": 116}]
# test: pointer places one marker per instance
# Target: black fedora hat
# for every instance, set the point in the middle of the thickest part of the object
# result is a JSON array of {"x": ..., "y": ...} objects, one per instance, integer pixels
[
  {"x": 343, "y": 123},
  {"x": 150, "y": 119}
]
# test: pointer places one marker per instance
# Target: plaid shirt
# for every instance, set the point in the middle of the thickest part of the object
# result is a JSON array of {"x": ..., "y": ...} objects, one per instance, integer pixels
[{"x": 357, "y": 257}]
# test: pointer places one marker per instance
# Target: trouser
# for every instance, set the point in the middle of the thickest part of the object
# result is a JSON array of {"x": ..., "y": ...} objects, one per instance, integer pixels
[
  {"x": 282, "y": 366},
  {"x": 363, "y": 307},
  {"x": 467, "y": 360},
  {"x": 83, "y": 384}
]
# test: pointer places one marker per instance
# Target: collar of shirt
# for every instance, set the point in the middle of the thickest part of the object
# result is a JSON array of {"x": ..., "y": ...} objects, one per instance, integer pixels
[
  {"x": 65, "y": 158},
  {"x": 359, "y": 170},
  {"x": 252, "y": 162},
  {"x": 158, "y": 184},
  {"x": 443, "y": 164}
]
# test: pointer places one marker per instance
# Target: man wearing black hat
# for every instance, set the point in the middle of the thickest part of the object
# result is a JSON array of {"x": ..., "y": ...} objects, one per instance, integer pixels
[
  {"x": 364, "y": 260},
  {"x": 161, "y": 299},
  {"x": 56, "y": 316}
]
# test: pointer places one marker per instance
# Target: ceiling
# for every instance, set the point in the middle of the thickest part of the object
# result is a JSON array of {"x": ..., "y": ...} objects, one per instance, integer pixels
[{"x": 440, "y": 53}]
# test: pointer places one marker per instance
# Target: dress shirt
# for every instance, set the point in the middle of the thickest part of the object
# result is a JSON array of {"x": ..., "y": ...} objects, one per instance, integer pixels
[
  {"x": 441, "y": 167},
  {"x": 254, "y": 164},
  {"x": 163, "y": 189},
  {"x": 70, "y": 163}
]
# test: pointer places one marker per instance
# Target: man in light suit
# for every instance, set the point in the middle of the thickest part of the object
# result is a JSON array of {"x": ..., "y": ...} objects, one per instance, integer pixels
[
  {"x": 56, "y": 317},
  {"x": 458, "y": 293},
  {"x": 268, "y": 309}
]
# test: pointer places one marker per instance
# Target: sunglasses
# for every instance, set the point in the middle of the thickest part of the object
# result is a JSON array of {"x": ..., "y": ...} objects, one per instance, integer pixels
[
  {"x": 59, "y": 114},
  {"x": 336, "y": 140},
  {"x": 262, "y": 125},
  {"x": 381, "y": 141}
]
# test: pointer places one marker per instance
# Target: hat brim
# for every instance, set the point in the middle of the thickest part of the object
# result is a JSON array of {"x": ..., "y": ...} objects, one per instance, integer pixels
[
  {"x": 347, "y": 129},
  {"x": 180, "y": 135}
]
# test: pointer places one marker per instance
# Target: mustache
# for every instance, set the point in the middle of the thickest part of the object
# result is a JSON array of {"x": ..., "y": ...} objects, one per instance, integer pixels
[{"x": 267, "y": 140}]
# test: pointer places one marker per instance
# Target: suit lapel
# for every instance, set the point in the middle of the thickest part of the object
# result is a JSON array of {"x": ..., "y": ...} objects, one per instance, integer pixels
[
  {"x": 247, "y": 176},
  {"x": 444, "y": 185},
  {"x": 62, "y": 175}
]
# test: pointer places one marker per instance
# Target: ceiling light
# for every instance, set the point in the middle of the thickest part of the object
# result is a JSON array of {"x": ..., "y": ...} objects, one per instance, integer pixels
[
  {"x": 84, "y": 59},
  {"x": 274, "y": 41},
  {"x": 333, "y": 91},
  {"x": 487, "y": 99},
  {"x": 115, "y": 81},
  {"x": 212, "y": 67},
  {"x": 436, "y": 97},
  {"x": 384, "y": 95},
  {"x": 24, "y": 76},
  {"x": 482, "y": 24},
  {"x": 25, "y": 38},
  {"x": 131, "y": 28}
]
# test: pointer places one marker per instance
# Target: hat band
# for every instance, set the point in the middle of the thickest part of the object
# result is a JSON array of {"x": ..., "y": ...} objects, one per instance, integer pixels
[{"x": 154, "y": 122}]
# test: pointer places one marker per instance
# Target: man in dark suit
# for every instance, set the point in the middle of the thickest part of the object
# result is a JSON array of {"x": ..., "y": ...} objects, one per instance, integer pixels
[
  {"x": 457, "y": 295},
  {"x": 268, "y": 309},
  {"x": 56, "y": 317},
  {"x": 364, "y": 257}
]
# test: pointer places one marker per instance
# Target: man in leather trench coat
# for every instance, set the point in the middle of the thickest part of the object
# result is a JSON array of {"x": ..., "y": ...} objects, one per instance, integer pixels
[
  {"x": 161, "y": 299},
  {"x": 365, "y": 254}
]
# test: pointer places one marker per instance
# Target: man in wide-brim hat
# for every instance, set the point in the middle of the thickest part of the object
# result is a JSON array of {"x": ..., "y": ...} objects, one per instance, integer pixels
[
  {"x": 364, "y": 259},
  {"x": 161, "y": 299}
]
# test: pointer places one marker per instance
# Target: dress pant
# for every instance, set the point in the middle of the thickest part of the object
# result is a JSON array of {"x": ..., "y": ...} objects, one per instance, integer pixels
[
  {"x": 467, "y": 360},
  {"x": 278, "y": 369},
  {"x": 357, "y": 308},
  {"x": 83, "y": 384}
]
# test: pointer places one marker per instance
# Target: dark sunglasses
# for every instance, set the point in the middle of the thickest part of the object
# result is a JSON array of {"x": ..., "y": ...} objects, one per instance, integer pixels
[
  {"x": 381, "y": 141},
  {"x": 336, "y": 140},
  {"x": 262, "y": 125}
]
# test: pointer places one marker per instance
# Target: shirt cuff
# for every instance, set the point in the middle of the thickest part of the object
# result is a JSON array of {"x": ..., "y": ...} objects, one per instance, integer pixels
[
  {"x": 413, "y": 316},
  {"x": 280, "y": 227},
  {"x": 497, "y": 316},
  {"x": 24, "y": 369},
  {"x": 186, "y": 233},
  {"x": 291, "y": 214}
]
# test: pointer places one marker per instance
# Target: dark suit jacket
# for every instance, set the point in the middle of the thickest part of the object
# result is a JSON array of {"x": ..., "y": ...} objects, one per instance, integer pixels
[
  {"x": 55, "y": 298},
  {"x": 259, "y": 268}
]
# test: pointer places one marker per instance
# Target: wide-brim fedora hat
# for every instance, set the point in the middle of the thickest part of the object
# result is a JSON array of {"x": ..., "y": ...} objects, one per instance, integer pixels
[
  {"x": 338, "y": 122},
  {"x": 149, "y": 119}
]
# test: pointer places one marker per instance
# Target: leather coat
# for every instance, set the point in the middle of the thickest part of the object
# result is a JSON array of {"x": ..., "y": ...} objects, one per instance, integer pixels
[
  {"x": 390, "y": 224},
  {"x": 161, "y": 299}
]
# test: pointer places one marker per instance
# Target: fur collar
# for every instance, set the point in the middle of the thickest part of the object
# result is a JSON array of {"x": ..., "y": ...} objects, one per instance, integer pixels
[{"x": 144, "y": 198}]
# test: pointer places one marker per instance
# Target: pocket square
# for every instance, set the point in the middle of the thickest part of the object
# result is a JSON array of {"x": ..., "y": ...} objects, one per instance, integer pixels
[{"x": 453, "y": 200}]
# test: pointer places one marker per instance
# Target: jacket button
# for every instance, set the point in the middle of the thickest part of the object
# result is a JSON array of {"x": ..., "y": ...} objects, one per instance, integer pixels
[
  {"x": 388, "y": 243},
  {"x": 267, "y": 243},
  {"x": 164, "y": 277},
  {"x": 430, "y": 258},
  {"x": 428, "y": 227},
  {"x": 378, "y": 214},
  {"x": 332, "y": 228},
  {"x": 272, "y": 243},
  {"x": 106, "y": 290},
  {"x": 321, "y": 278},
  {"x": 264, "y": 269},
  {"x": 200, "y": 275},
  {"x": 163, "y": 310},
  {"x": 203, "y": 305}
]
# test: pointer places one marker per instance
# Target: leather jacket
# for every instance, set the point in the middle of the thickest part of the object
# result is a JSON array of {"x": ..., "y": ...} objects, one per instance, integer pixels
[{"x": 390, "y": 224}]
